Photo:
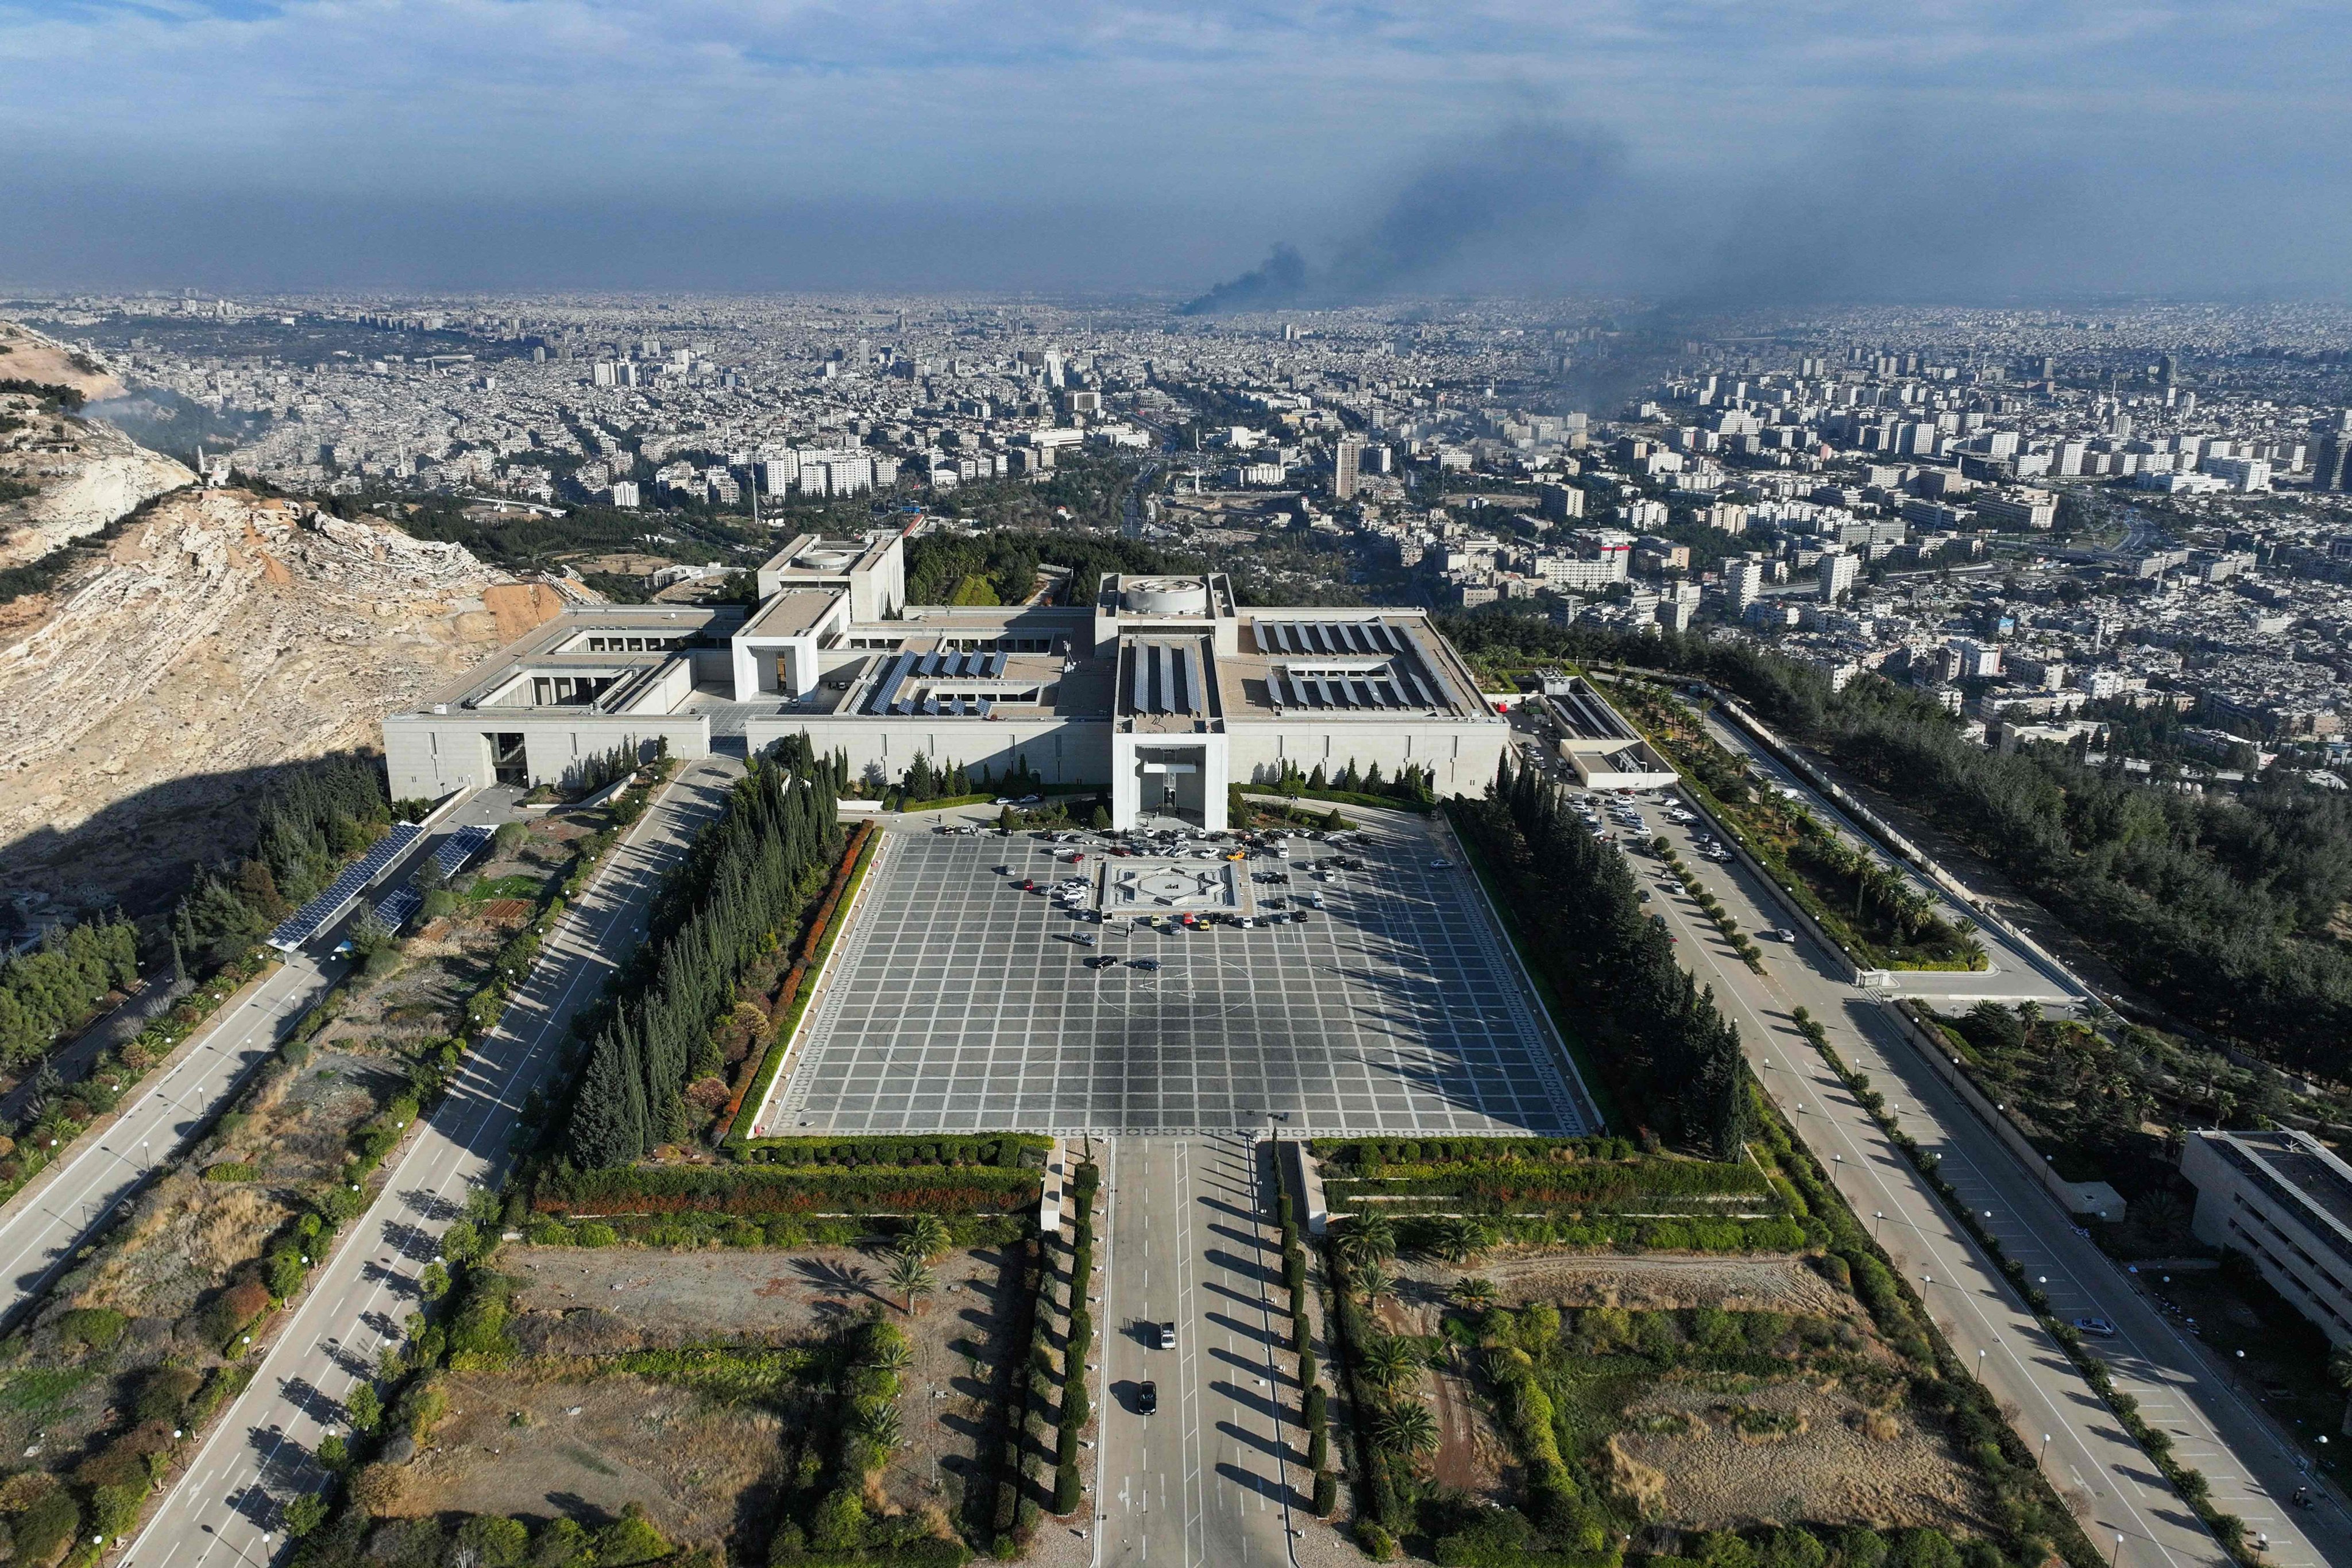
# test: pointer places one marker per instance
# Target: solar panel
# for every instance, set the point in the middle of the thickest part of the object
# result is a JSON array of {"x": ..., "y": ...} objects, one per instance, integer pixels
[
  {"x": 889, "y": 688},
  {"x": 1139, "y": 698},
  {"x": 398, "y": 907},
  {"x": 304, "y": 922},
  {"x": 1192, "y": 703},
  {"x": 452, "y": 853}
]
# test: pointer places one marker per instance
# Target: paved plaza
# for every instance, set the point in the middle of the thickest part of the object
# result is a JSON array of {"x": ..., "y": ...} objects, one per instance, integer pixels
[{"x": 958, "y": 1002}]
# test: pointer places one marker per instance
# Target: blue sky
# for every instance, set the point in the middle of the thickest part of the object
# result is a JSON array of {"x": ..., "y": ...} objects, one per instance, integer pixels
[{"x": 741, "y": 143}]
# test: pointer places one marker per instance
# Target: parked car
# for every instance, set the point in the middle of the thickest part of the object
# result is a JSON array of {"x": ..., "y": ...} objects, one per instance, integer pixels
[
  {"x": 1101, "y": 962},
  {"x": 2099, "y": 1327},
  {"x": 1145, "y": 963}
]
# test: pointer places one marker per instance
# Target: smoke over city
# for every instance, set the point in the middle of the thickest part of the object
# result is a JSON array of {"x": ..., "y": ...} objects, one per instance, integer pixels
[{"x": 1523, "y": 186}]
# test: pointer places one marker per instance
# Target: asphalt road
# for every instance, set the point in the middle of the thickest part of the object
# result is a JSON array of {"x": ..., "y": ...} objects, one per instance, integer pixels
[
  {"x": 1211, "y": 1479},
  {"x": 2016, "y": 973},
  {"x": 2088, "y": 1455},
  {"x": 41, "y": 1228},
  {"x": 229, "y": 1501}
]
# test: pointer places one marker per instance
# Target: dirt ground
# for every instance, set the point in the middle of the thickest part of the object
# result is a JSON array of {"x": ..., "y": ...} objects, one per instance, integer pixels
[
  {"x": 587, "y": 1449},
  {"x": 575, "y": 1302},
  {"x": 1760, "y": 1283},
  {"x": 1844, "y": 1463},
  {"x": 600, "y": 1301},
  {"x": 186, "y": 1234}
]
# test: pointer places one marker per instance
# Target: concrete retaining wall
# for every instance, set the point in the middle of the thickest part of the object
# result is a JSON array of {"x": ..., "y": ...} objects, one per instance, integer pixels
[{"x": 2094, "y": 1200}]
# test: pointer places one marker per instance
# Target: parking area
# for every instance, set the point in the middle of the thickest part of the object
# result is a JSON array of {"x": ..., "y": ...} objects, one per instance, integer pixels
[{"x": 960, "y": 1001}]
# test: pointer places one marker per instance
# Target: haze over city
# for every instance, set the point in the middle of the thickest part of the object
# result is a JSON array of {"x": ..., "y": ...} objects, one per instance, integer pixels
[{"x": 1827, "y": 150}]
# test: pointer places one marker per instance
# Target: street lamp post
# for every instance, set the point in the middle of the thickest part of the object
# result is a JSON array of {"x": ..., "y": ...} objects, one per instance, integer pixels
[
  {"x": 2042, "y": 1463},
  {"x": 1877, "y": 1220},
  {"x": 2117, "y": 1557}
]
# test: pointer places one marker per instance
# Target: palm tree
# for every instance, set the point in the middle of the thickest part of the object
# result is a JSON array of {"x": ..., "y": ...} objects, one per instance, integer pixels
[
  {"x": 910, "y": 1276},
  {"x": 882, "y": 1427},
  {"x": 1388, "y": 1363},
  {"x": 1405, "y": 1428},
  {"x": 1369, "y": 1239},
  {"x": 1458, "y": 1240},
  {"x": 1473, "y": 1293},
  {"x": 926, "y": 1236},
  {"x": 1372, "y": 1282}
]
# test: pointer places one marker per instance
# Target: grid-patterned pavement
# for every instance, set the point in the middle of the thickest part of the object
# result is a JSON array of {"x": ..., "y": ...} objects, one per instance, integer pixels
[{"x": 953, "y": 1005}]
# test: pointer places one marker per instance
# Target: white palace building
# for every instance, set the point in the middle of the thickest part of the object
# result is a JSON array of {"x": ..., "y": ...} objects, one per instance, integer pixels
[{"x": 1163, "y": 690}]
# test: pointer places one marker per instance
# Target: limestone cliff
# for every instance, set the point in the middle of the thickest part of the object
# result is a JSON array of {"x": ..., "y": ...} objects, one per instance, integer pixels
[
  {"x": 62, "y": 477},
  {"x": 142, "y": 701}
]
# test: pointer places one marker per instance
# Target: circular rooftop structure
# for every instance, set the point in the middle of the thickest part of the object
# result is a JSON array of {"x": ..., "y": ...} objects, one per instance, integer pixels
[{"x": 1165, "y": 595}]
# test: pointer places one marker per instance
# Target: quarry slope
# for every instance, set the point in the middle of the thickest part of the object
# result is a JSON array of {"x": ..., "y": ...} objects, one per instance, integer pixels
[
  {"x": 220, "y": 635},
  {"x": 61, "y": 476}
]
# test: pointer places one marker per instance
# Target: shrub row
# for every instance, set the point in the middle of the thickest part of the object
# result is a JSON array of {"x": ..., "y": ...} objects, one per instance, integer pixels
[
  {"x": 793, "y": 997},
  {"x": 764, "y": 1191},
  {"x": 1315, "y": 1408},
  {"x": 1069, "y": 1487}
]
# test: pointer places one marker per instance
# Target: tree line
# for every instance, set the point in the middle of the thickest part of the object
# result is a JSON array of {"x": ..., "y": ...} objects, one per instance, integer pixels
[
  {"x": 741, "y": 887},
  {"x": 1671, "y": 1058},
  {"x": 2221, "y": 907},
  {"x": 311, "y": 819},
  {"x": 939, "y": 564},
  {"x": 56, "y": 987}
]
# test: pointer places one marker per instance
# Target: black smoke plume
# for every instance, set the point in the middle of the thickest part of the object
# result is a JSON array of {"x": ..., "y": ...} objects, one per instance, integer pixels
[{"x": 1522, "y": 184}]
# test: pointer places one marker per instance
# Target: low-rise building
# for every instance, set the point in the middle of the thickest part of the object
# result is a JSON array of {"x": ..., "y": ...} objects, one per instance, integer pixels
[{"x": 2282, "y": 1200}]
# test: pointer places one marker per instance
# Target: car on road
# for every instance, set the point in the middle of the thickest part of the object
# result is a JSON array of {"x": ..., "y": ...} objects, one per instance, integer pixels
[
  {"x": 1781, "y": 934},
  {"x": 1146, "y": 1397},
  {"x": 1168, "y": 1336},
  {"x": 1144, "y": 964},
  {"x": 1439, "y": 864},
  {"x": 2099, "y": 1327}
]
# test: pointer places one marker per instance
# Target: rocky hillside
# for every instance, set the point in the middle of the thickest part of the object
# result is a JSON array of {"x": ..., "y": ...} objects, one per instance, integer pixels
[
  {"x": 215, "y": 637},
  {"x": 61, "y": 476}
]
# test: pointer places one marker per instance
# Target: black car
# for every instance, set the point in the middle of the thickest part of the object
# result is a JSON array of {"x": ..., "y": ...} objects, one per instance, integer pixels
[
  {"x": 1147, "y": 1398},
  {"x": 1144, "y": 963},
  {"x": 1101, "y": 962}
]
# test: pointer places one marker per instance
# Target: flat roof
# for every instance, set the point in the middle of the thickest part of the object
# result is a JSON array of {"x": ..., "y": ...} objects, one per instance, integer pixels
[
  {"x": 1329, "y": 665},
  {"x": 794, "y": 612},
  {"x": 536, "y": 649},
  {"x": 823, "y": 555}
]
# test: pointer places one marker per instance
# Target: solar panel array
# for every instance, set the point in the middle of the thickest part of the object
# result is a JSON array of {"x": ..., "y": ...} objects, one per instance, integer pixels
[
  {"x": 1165, "y": 679},
  {"x": 398, "y": 907},
  {"x": 460, "y": 846},
  {"x": 1389, "y": 687},
  {"x": 949, "y": 665},
  {"x": 299, "y": 927},
  {"x": 1361, "y": 638}
]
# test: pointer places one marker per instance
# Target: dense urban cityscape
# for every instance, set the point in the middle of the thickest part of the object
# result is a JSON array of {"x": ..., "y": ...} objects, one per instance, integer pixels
[{"x": 2038, "y": 517}]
